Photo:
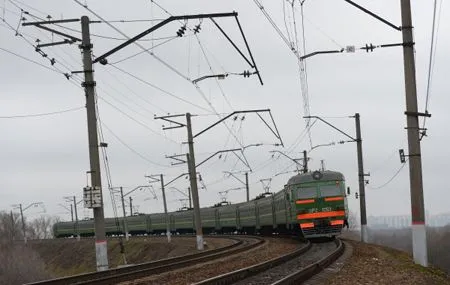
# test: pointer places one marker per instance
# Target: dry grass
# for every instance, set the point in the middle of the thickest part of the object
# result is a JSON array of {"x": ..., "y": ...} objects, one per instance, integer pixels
[{"x": 20, "y": 264}]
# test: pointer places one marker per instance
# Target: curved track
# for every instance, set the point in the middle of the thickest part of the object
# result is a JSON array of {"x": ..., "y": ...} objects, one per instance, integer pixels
[
  {"x": 292, "y": 268},
  {"x": 113, "y": 276}
]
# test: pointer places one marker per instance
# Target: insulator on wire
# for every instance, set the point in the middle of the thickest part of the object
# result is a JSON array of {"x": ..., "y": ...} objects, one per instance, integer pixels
[
  {"x": 181, "y": 31},
  {"x": 197, "y": 29},
  {"x": 246, "y": 73},
  {"x": 369, "y": 48}
]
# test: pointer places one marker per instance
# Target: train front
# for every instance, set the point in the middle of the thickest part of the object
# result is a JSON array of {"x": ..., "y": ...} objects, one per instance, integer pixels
[{"x": 320, "y": 202}]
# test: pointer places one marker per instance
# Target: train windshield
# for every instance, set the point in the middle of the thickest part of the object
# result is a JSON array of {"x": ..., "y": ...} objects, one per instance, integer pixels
[
  {"x": 330, "y": 190},
  {"x": 305, "y": 192}
]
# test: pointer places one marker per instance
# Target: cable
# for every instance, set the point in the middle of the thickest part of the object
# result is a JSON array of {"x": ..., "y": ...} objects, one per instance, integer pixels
[
  {"x": 157, "y": 88},
  {"x": 30, "y": 60},
  {"x": 41, "y": 114},
  {"x": 280, "y": 33},
  {"x": 108, "y": 172},
  {"x": 432, "y": 58},
  {"x": 14, "y": 2},
  {"x": 392, "y": 178},
  {"x": 133, "y": 119},
  {"x": 135, "y": 43},
  {"x": 132, "y": 149},
  {"x": 117, "y": 79},
  {"x": 285, "y": 24},
  {"x": 301, "y": 137},
  {"x": 212, "y": 71},
  {"x": 53, "y": 61},
  {"x": 141, "y": 52},
  {"x": 304, "y": 79},
  {"x": 43, "y": 54}
]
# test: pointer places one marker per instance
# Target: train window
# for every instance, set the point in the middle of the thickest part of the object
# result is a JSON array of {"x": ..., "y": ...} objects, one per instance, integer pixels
[
  {"x": 330, "y": 190},
  {"x": 306, "y": 192}
]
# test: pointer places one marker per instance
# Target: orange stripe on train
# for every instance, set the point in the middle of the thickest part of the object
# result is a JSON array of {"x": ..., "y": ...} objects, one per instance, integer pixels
[
  {"x": 334, "y": 199},
  {"x": 321, "y": 215},
  {"x": 307, "y": 225},
  {"x": 309, "y": 201}
]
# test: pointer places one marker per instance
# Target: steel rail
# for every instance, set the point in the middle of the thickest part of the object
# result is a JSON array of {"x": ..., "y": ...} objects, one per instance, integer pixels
[
  {"x": 307, "y": 272},
  {"x": 156, "y": 267},
  {"x": 232, "y": 277}
]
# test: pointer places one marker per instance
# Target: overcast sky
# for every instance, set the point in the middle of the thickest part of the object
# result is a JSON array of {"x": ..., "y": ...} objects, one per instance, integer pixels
[{"x": 46, "y": 158}]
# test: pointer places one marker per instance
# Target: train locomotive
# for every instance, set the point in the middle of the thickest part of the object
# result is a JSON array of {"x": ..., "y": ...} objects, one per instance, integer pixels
[{"x": 312, "y": 204}]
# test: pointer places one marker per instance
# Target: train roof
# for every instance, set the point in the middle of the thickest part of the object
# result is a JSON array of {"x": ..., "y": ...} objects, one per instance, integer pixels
[{"x": 326, "y": 175}]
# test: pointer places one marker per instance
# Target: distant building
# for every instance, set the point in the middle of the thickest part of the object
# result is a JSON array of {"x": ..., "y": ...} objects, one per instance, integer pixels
[{"x": 404, "y": 221}]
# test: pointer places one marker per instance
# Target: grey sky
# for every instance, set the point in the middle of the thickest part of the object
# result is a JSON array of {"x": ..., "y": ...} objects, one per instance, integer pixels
[{"x": 45, "y": 158}]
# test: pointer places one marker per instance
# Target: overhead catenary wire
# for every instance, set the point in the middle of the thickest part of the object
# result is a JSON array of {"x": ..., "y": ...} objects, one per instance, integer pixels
[
  {"x": 433, "y": 44},
  {"x": 41, "y": 114},
  {"x": 163, "y": 62},
  {"x": 30, "y": 60},
  {"x": 145, "y": 158},
  {"x": 304, "y": 78},
  {"x": 201, "y": 92},
  {"x": 43, "y": 54},
  {"x": 148, "y": 49},
  {"x": 133, "y": 119},
  {"x": 157, "y": 88}
]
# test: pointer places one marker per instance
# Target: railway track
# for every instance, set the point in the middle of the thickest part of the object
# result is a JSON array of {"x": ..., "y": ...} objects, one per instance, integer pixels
[
  {"x": 292, "y": 268},
  {"x": 113, "y": 276}
]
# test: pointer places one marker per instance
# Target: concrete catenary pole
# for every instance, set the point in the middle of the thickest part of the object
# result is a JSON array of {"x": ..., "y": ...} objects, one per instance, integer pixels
[
  {"x": 190, "y": 197},
  {"x": 76, "y": 217},
  {"x": 23, "y": 224},
  {"x": 412, "y": 122},
  {"x": 193, "y": 180},
  {"x": 361, "y": 180},
  {"x": 305, "y": 161},
  {"x": 247, "y": 188},
  {"x": 13, "y": 227},
  {"x": 71, "y": 212},
  {"x": 125, "y": 225},
  {"x": 131, "y": 206},
  {"x": 101, "y": 250},
  {"x": 165, "y": 208}
]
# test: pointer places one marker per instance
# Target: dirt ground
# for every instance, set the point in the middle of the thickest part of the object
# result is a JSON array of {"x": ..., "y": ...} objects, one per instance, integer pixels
[
  {"x": 65, "y": 257},
  {"x": 373, "y": 264}
]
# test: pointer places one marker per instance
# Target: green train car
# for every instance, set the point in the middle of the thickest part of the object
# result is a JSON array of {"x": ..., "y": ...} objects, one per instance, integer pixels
[
  {"x": 273, "y": 212},
  {"x": 320, "y": 201}
]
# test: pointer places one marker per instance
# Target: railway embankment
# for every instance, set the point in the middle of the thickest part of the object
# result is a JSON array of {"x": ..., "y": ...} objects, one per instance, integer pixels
[
  {"x": 63, "y": 257},
  {"x": 374, "y": 264}
]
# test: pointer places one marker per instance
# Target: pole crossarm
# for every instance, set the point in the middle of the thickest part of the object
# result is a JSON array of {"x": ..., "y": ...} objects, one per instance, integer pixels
[
  {"x": 287, "y": 156},
  {"x": 374, "y": 15},
  {"x": 167, "y": 119},
  {"x": 176, "y": 178},
  {"x": 232, "y": 43},
  {"x": 50, "y": 22},
  {"x": 233, "y": 174},
  {"x": 103, "y": 57},
  {"x": 223, "y": 151},
  {"x": 320, "y": 52},
  {"x": 274, "y": 131},
  {"x": 33, "y": 204},
  {"x": 219, "y": 76},
  {"x": 72, "y": 38},
  {"x": 176, "y": 157},
  {"x": 179, "y": 191},
  {"x": 342, "y": 132},
  {"x": 132, "y": 190}
]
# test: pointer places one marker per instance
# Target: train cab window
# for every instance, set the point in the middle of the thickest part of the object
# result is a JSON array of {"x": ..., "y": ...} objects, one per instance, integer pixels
[
  {"x": 330, "y": 190},
  {"x": 305, "y": 192}
]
